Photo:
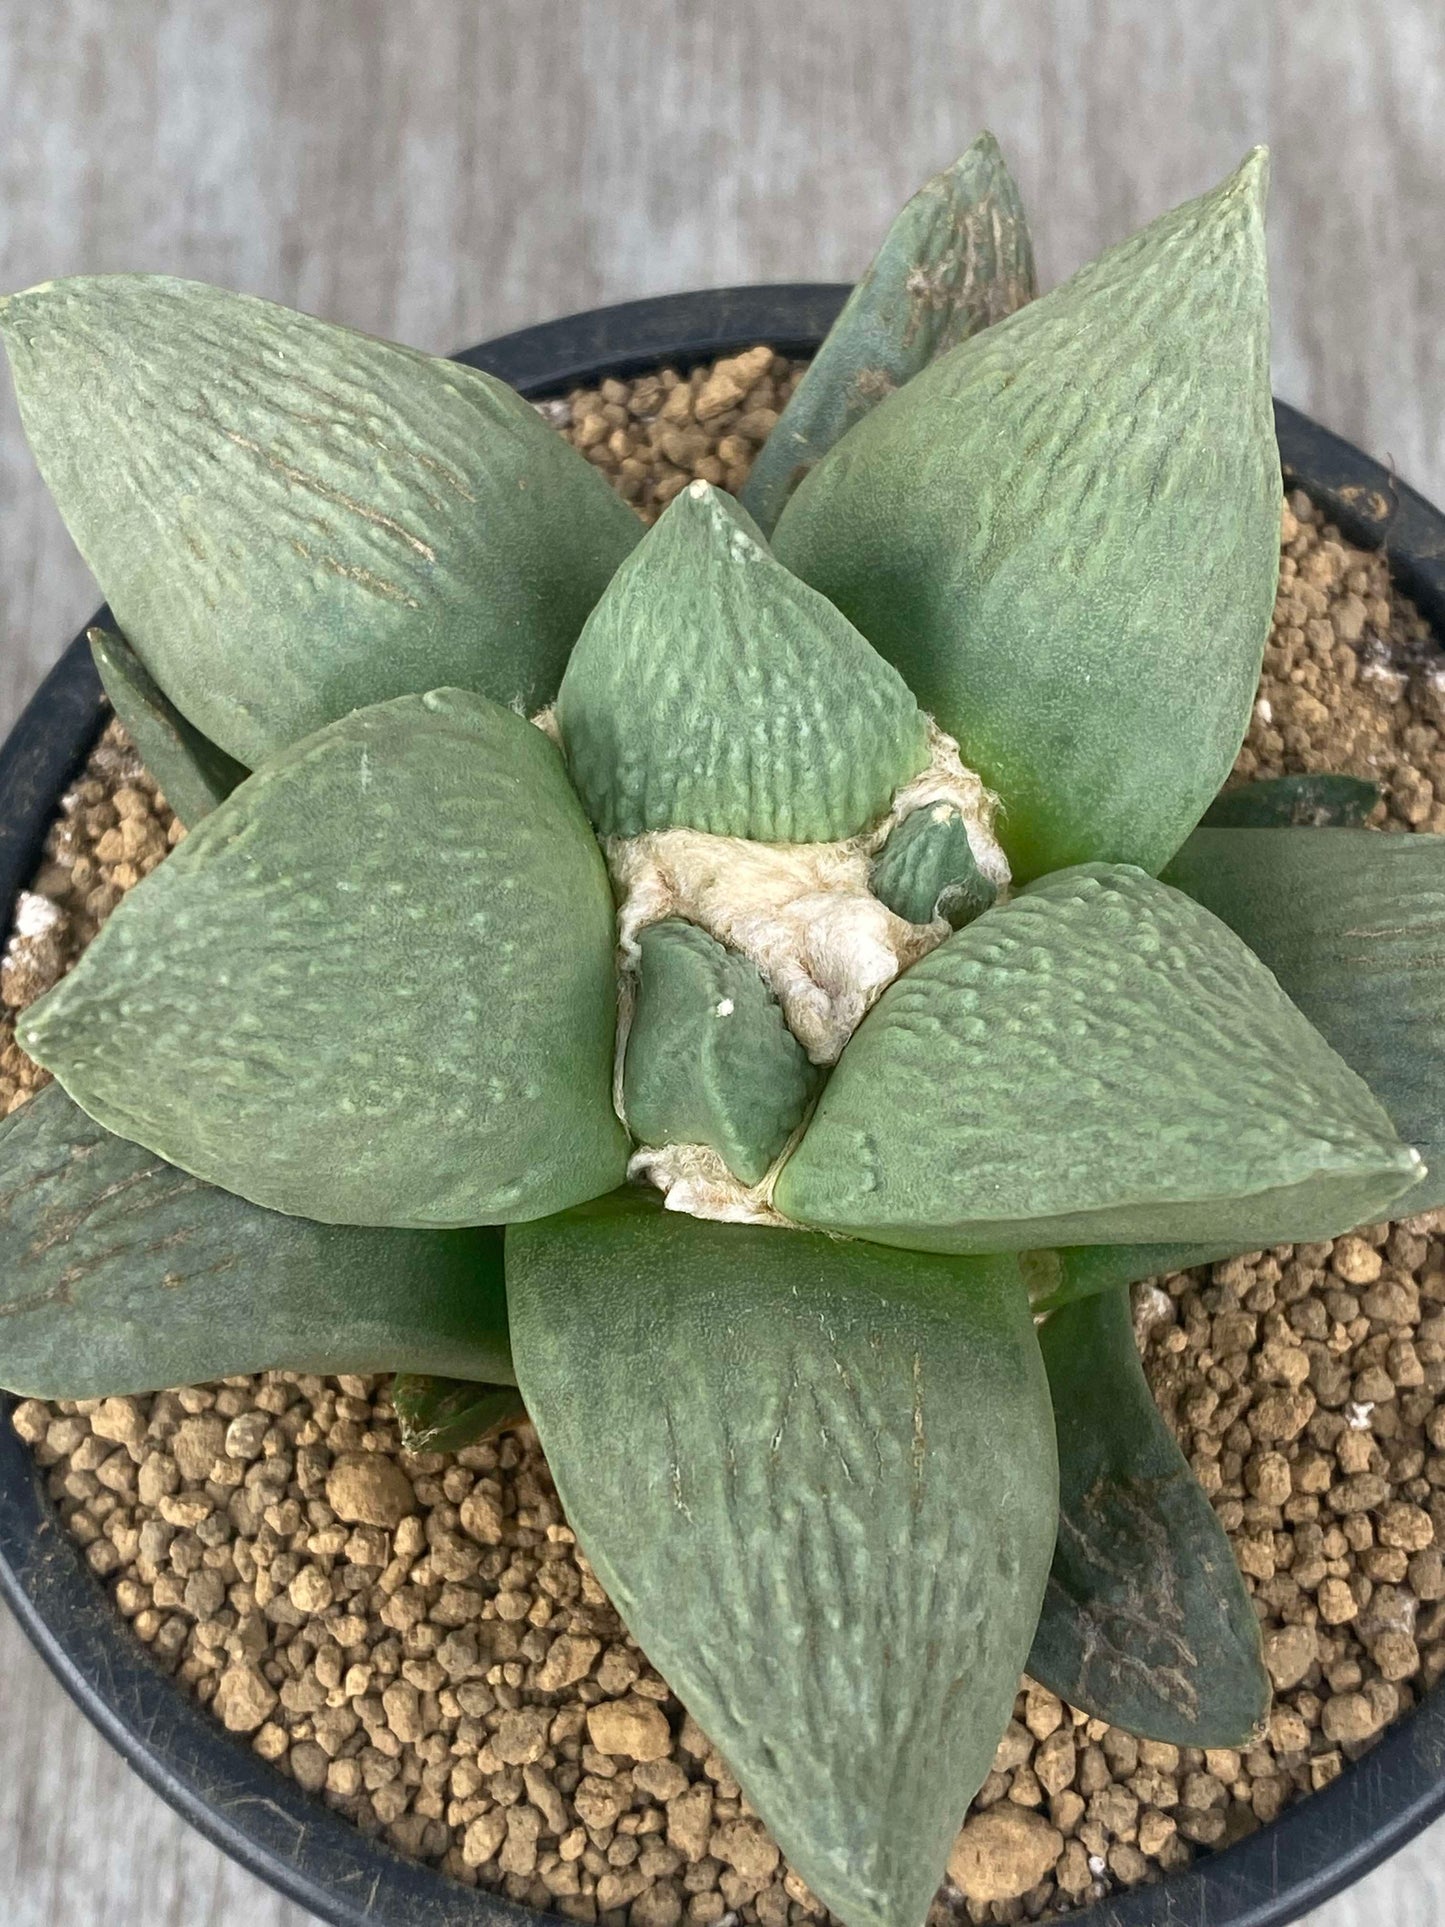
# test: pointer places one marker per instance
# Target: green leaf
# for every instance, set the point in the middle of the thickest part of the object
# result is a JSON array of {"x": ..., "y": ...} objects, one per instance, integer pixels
[
  {"x": 1353, "y": 925},
  {"x": 119, "y": 1273},
  {"x": 1097, "y": 1061},
  {"x": 1146, "y": 1620},
  {"x": 444, "y": 1414},
  {"x": 927, "y": 869},
  {"x": 826, "y": 1509},
  {"x": 290, "y": 520},
  {"x": 1065, "y": 534},
  {"x": 710, "y": 1059},
  {"x": 712, "y": 689},
  {"x": 193, "y": 774},
  {"x": 375, "y": 986},
  {"x": 1306, "y": 802},
  {"x": 957, "y": 258},
  {"x": 1056, "y": 1278}
]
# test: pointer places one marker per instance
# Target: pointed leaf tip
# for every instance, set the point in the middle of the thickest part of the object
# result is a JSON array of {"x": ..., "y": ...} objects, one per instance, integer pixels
[
  {"x": 1076, "y": 586},
  {"x": 828, "y": 1516},
  {"x": 1095, "y": 1062},
  {"x": 406, "y": 522},
  {"x": 712, "y": 690},
  {"x": 243, "y": 1012},
  {"x": 957, "y": 258},
  {"x": 1146, "y": 1622}
]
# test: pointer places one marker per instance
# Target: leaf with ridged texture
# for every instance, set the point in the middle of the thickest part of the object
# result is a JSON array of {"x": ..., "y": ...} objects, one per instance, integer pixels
[
  {"x": 1304, "y": 802},
  {"x": 290, "y": 520},
  {"x": 445, "y": 1414},
  {"x": 927, "y": 869},
  {"x": 121, "y": 1273},
  {"x": 827, "y": 1512},
  {"x": 1098, "y": 1061},
  {"x": 1146, "y": 1621},
  {"x": 193, "y": 774},
  {"x": 710, "y": 1059},
  {"x": 1065, "y": 534},
  {"x": 711, "y": 689},
  {"x": 956, "y": 259},
  {"x": 1352, "y": 922},
  {"x": 375, "y": 986}
]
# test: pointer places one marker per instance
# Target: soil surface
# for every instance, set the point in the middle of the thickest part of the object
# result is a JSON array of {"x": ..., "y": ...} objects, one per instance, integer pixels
[{"x": 417, "y": 1639}]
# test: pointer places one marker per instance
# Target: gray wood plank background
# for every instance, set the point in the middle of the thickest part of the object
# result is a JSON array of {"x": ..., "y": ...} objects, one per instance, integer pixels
[{"x": 442, "y": 170}]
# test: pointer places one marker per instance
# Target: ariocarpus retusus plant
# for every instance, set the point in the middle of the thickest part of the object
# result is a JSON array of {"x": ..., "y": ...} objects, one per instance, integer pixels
[{"x": 790, "y": 924}]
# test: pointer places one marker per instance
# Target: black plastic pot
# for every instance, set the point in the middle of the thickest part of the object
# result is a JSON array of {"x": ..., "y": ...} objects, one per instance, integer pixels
[{"x": 255, "y": 1813}]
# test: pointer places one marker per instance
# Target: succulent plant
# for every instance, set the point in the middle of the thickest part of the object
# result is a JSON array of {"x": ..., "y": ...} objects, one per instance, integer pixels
[{"x": 801, "y": 942}]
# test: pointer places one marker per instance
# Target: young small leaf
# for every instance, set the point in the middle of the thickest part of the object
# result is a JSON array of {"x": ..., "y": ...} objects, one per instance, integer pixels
[
  {"x": 1065, "y": 534},
  {"x": 827, "y": 1510},
  {"x": 711, "y": 689},
  {"x": 1095, "y": 1062},
  {"x": 290, "y": 519},
  {"x": 120, "y": 1273},
  {"x": 193, "y": 774},
  {"x": 444, "y": 1414},
  {"x": 957, "y": 258},
  {"x": 927, "y": 869},
  {"x": 1305, "y": 802},
  {"x": 710, "y": 1059},
  {"x": 1353, "y": 925},
  {"x": 375, "y": 986},
  {"x": 1146, "y": 1620}
]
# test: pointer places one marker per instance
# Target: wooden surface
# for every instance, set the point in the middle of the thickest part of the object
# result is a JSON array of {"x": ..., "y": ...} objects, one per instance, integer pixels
[{"x": 442, "y": 170}]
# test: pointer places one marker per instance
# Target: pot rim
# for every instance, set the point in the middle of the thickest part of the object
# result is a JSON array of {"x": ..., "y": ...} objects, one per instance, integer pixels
[{"x": 315, "y": 1856}]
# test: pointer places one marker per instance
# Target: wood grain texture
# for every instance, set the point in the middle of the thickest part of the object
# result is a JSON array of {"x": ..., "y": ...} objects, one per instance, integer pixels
[{"x": 441, "y": 170}]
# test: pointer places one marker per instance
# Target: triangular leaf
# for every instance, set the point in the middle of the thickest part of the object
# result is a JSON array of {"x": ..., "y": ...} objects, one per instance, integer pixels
[
  {"x": 1065, "y": 533},
  {"x": 375, "y": 986},
  {"x": 1146, "y": 1621},
  {"x": 711, "y": 689},
  {"x": 120, "y": 1273},
  {"x": 1095, "y": 1062},
  {"x": 193, "y": 774},
  {"x": 710, "y": 1059},
  {"x": 1306, "y": 802},
  {"x": 827, "y": 1510},
  {"x": 957, "y": 258},
  {"x": 445, "y": 1414},
  {"x": 290, "y": 519},
  {"x": 1352, "y": 923},
  {"x": 928, "y": 869}
]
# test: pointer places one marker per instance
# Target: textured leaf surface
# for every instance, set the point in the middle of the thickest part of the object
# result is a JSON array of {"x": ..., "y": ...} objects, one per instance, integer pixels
[
  {"x": 710, "y": 1059},
  {"x": 1306, "y": 802},
  {"x": 927, "y": 869},
  {"x": 1353, "y": 925},
  {"x": 290, "y": 520},
  {"x": 121, "y": 1273},
  {"x": 957, "y": 258},
  {"x": 826, "y": 1510},
  {"x": 374, "y": 987},
  {"x": 445, "y": 1414},
  {"x": 1065, "y": 533},
  {"x": 1095, "y": 1062},
  {"x": 193, "y": 774},
  {"x": 1146, "y": 1620},
  {"x": 711, "y": 689}
]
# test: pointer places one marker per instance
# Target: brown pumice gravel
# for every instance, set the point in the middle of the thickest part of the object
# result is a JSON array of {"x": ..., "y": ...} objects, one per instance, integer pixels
[{"x": 417, "y": 1639}]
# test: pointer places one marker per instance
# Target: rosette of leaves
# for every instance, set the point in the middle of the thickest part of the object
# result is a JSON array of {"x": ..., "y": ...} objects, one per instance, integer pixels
[{"x": 374, "y": 1072}]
